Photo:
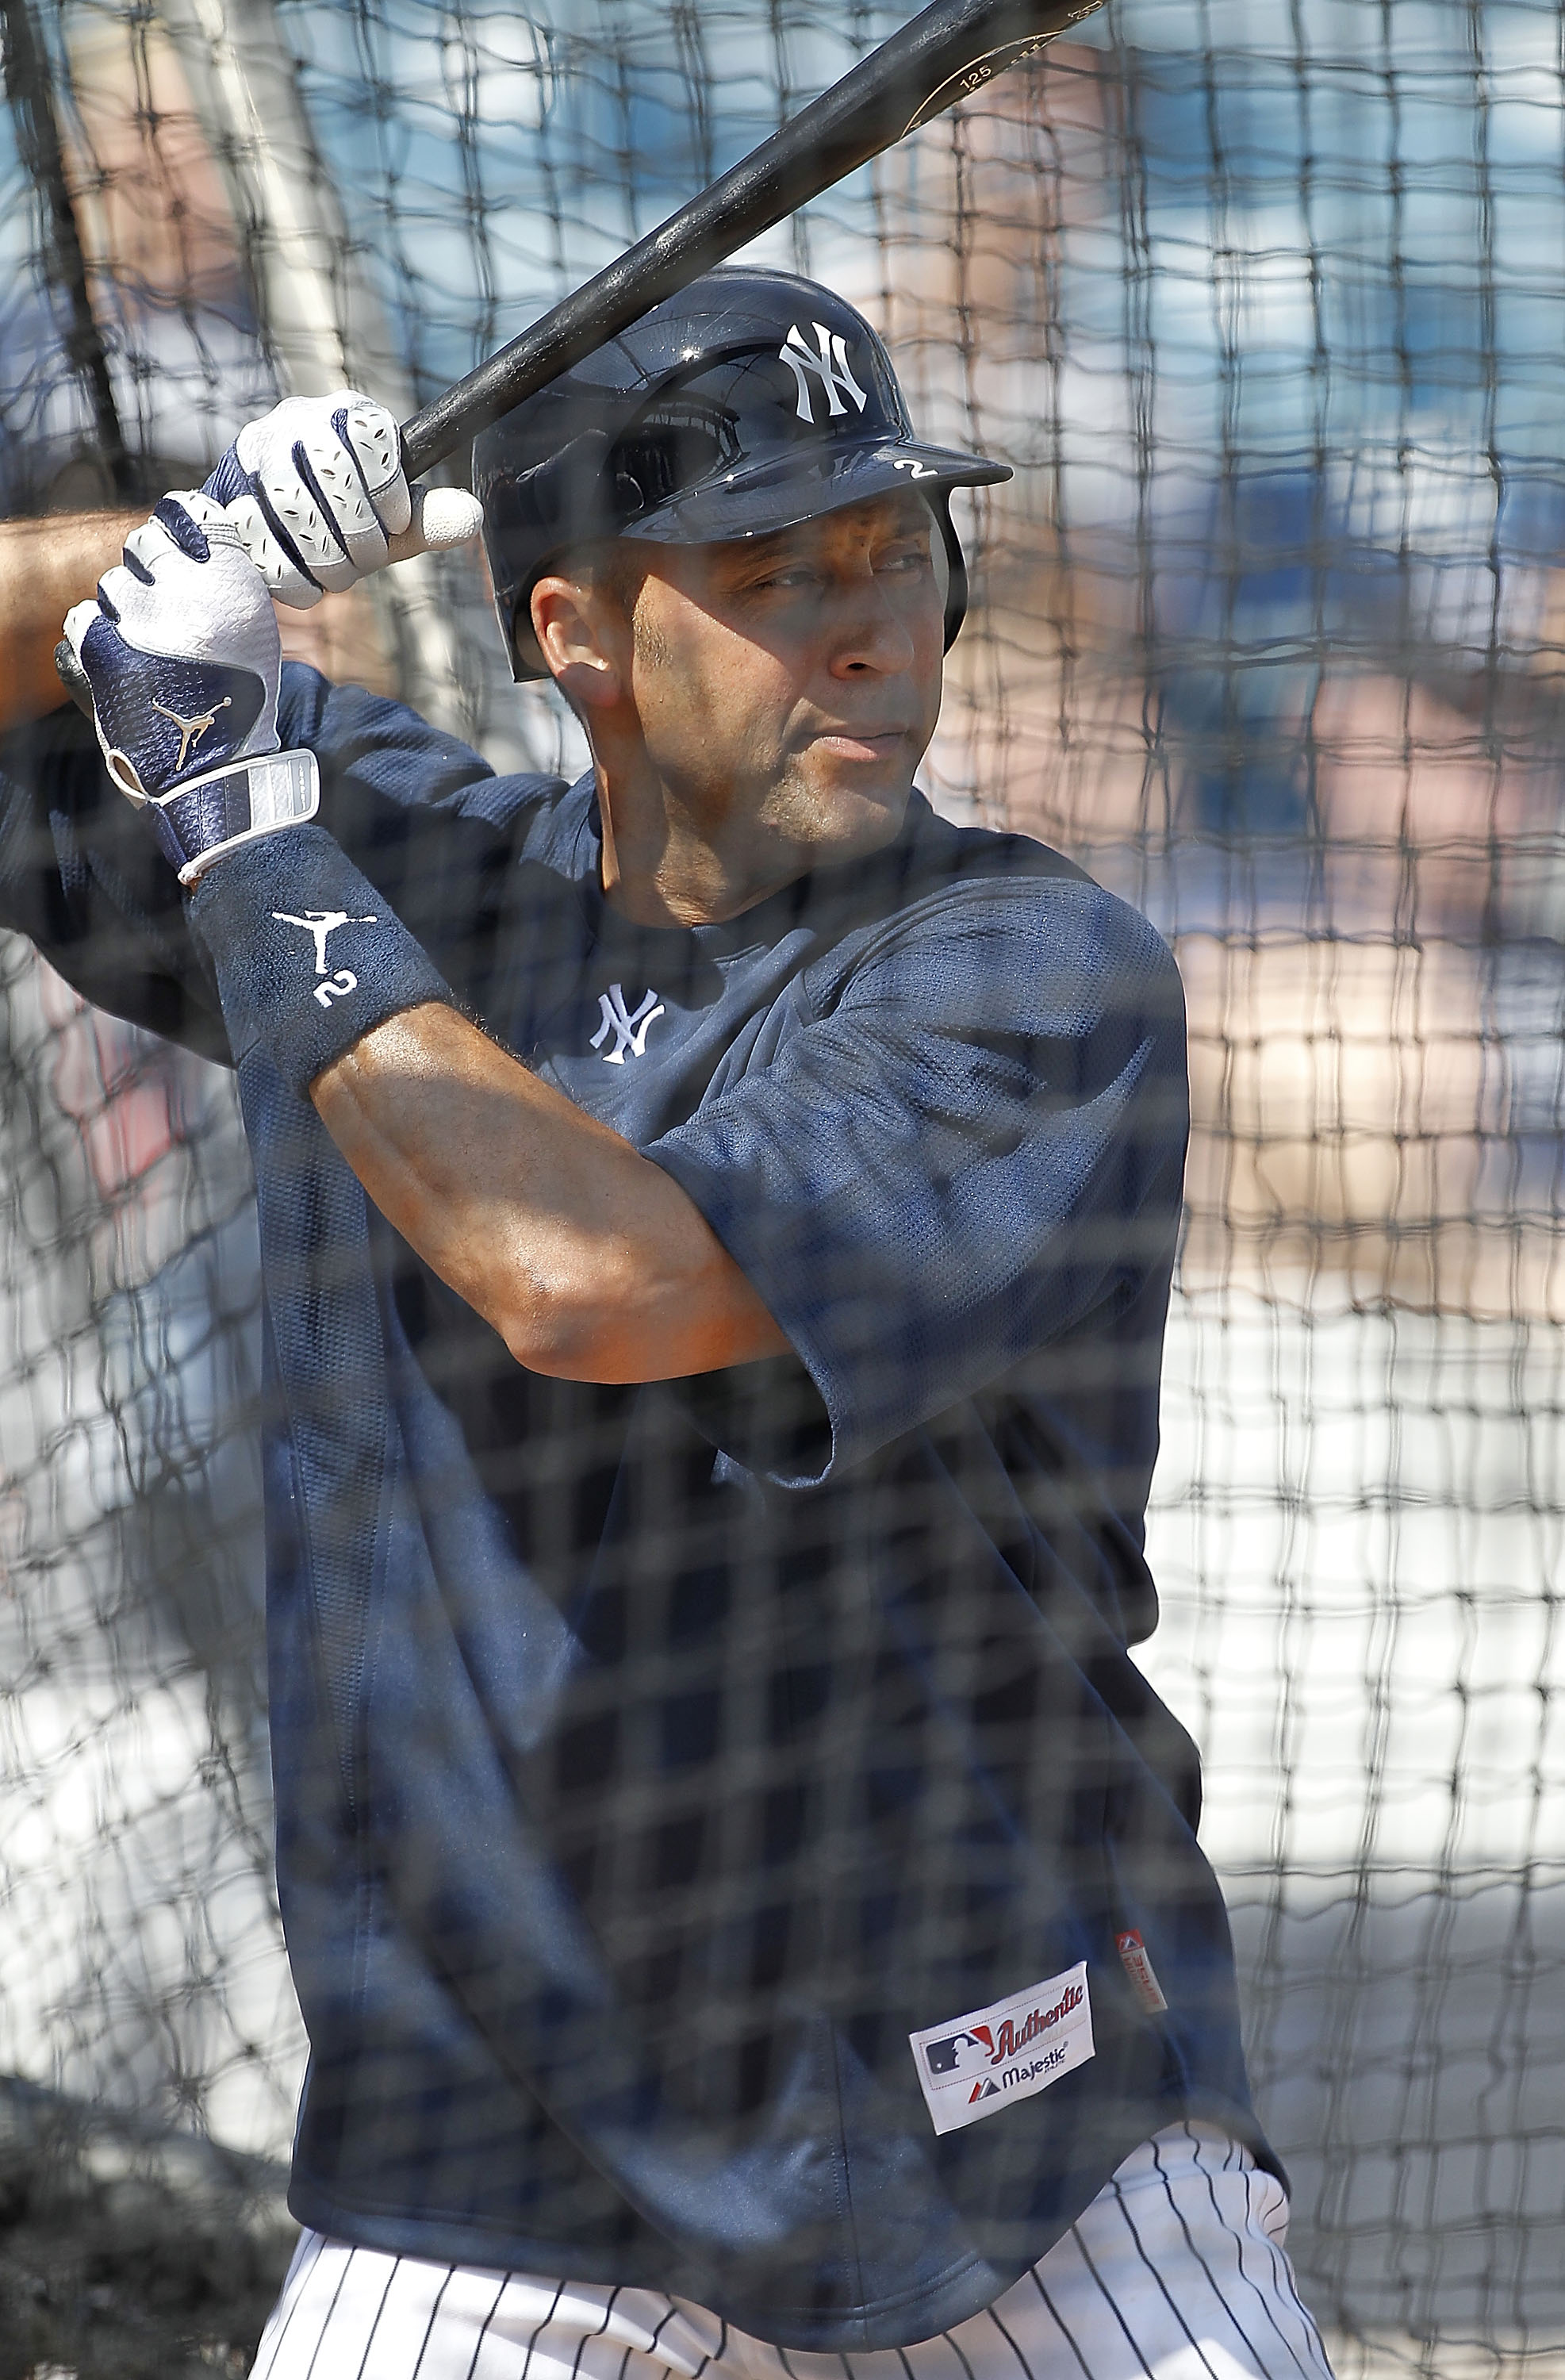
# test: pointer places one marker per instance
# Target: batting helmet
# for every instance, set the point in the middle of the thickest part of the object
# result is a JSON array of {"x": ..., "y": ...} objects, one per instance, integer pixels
[{"x": 749, "y": 402}]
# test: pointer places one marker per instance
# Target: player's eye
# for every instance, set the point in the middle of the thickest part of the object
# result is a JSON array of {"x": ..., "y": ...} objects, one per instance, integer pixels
[
  {"x": 908, "y": 560},
  {"x": 791, "y": 575}
]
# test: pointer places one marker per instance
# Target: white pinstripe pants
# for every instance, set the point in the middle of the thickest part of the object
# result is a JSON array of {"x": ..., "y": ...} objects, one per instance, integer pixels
[{"x": 1176, "y": 2271}]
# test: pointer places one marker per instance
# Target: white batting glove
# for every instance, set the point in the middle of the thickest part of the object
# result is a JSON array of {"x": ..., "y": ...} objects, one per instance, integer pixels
[
  {"x": 318, "y": 496},
  {"x": 179, "y": 652}
]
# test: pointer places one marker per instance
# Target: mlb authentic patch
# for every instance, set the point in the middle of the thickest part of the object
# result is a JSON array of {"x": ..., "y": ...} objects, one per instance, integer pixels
[{"x": 974, "y": 2065}]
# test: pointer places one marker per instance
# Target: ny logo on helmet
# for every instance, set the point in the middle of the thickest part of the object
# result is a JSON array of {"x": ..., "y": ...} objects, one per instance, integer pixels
[{"x": 829, "y": 363}]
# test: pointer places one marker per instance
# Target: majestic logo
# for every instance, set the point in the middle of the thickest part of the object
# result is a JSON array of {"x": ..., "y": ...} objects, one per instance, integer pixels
[
  {"x": 969, "y": 2066},
  {"x": 321, "y": 924},
  {"x": 192, "y": 730},
  {"x": 829, "y": 361},
  {"x": 627, "y": 1025}
]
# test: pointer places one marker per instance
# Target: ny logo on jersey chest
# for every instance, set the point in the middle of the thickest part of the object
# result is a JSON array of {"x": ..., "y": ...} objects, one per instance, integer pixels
[{"x": 628, "y": 1025}]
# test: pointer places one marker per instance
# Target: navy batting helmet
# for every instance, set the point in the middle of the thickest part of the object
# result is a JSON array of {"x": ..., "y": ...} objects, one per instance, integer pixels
[{"x": 749, "y": 402}]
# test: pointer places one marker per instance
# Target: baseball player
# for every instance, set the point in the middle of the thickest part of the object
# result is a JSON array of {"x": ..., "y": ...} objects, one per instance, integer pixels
[{"x": 717, "y": 1221}]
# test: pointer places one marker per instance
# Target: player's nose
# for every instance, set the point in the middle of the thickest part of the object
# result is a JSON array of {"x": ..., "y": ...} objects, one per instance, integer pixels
[{"x": 863, "y": 629}]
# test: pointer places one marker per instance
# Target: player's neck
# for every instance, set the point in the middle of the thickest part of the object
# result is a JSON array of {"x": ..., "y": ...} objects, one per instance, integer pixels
[{"x": 659, "y": 868}]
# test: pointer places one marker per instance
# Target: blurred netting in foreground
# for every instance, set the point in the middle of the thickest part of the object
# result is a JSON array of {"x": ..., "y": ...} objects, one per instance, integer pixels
[{"x": 1267, "y": 305}]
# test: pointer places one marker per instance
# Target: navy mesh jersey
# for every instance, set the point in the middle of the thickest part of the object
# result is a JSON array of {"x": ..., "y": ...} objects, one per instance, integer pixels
[{"x": 651, "y": 1763}]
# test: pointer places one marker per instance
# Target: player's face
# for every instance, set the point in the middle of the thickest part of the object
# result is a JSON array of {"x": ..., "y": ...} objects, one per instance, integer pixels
[{"x": 786, "y": 687}]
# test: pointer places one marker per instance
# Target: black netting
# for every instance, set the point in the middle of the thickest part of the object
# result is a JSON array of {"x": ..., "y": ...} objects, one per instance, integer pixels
[{"x": 1265, "y": 307}]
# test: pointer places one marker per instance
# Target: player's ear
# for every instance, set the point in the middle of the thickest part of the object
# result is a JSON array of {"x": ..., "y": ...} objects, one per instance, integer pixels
[{"x": 574, "y": 633}]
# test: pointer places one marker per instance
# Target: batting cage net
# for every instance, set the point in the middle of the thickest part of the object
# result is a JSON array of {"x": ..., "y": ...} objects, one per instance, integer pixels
[{"x": 1266, "y": 306}]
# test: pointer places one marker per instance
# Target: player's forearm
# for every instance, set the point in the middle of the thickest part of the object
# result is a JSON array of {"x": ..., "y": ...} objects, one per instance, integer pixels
[
  {"x": 45, "y": 566},
  {"x": 589, "y": 1261}
]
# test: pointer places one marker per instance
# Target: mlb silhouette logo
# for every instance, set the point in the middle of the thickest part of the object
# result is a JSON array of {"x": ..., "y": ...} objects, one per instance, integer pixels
[{"x": 959, "y": 2053}]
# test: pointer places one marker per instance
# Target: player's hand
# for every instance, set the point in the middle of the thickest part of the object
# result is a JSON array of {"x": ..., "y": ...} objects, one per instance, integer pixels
[
  {"x": 319, "y": 497},
  {"x": 180, "y": 655},
  {"x": 180, "y": 651}
]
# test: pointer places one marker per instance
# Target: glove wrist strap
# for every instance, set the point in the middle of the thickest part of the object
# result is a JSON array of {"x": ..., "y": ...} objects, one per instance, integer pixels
[{"x": 198, "y": 821}]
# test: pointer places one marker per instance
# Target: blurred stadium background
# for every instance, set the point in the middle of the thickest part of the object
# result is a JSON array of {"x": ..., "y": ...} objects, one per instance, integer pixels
[{"x": 1266, "y": 304}]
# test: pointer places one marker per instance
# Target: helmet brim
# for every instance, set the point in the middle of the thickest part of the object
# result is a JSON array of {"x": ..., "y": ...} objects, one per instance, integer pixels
[{"x": 765, "y": 494}]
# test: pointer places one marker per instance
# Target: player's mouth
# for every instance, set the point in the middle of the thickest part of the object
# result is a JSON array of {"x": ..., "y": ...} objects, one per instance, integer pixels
[{"x": 856, "y": 743}]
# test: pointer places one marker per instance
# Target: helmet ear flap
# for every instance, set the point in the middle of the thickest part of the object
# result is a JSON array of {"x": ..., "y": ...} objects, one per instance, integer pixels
[
  {"x": 951, "y": 565},
  {"x": 570, "y": 498},
  {"x": 521, "y": 645}
]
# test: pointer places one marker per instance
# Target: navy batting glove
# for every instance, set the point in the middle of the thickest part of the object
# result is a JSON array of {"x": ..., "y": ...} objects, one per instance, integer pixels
[{"x": 181, "y": 657}]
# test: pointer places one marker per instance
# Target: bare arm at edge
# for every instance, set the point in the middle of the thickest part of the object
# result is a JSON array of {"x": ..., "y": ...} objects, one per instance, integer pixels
[
  {"x": 588, "y": 1260},
  {"x": 45, "y": 566},
  {"x": 50, "y": 563}
]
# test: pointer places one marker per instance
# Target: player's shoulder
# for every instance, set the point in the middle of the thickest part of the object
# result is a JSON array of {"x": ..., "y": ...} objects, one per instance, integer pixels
[
  {"x": 387, "y": 746},
  {"x": 1036, "y": 911},
  {"x": 1043, "y": 878}
]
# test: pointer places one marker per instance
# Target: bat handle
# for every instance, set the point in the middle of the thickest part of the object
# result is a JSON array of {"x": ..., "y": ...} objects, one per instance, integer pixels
[{"x": 73, "y": 678}]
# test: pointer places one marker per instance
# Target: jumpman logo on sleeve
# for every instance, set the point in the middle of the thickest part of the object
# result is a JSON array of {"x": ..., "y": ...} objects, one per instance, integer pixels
[{"x": 322, "y": 923}]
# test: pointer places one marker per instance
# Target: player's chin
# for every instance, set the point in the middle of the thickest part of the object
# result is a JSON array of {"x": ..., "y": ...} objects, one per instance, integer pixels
[
  {"x": 848, "y": 818},
  {"x": 854, "y": 782}
]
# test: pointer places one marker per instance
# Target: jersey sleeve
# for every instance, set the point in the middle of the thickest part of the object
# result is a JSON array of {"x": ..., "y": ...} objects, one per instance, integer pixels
[
  {"x": 973, "y": 1145},
  {"x": 82, "y": 879}
]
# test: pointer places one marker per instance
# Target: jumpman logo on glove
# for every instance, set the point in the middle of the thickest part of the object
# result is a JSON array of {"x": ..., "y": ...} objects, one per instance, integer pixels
[{"x": 192, "y": 730}]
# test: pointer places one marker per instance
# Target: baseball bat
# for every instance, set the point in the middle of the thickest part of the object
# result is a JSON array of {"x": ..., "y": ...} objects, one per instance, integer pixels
[{"x": 940, "y": 56}]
